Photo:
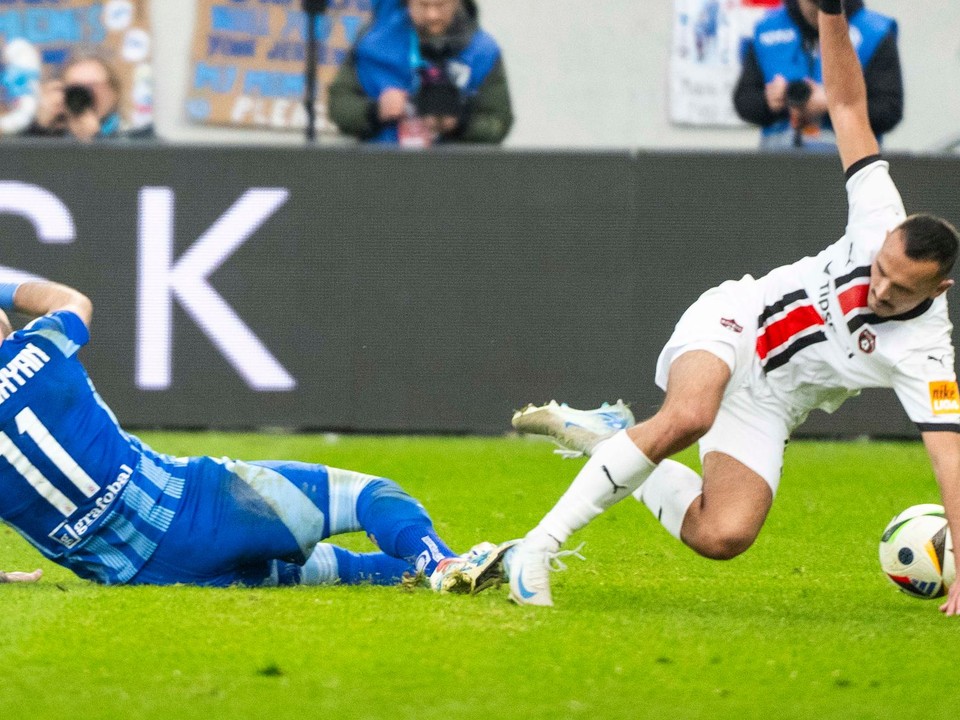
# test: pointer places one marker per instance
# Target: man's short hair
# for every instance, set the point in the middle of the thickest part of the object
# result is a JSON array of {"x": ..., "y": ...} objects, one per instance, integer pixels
[{"x": 927, "y": 237}]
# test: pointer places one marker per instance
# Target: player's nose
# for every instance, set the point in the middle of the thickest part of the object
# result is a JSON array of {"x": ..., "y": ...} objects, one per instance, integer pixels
[{"x": 881, "y": 289}]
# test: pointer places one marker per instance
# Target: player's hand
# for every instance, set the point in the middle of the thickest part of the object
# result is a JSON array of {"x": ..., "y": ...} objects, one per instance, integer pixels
[
  {"x": 21, "y": 577},
  {"x": 5, "y": 327},
  {"x": 775, "y": 93},
  {"x": 952, "y": 605},
  {"x": 392, "y": 104}
]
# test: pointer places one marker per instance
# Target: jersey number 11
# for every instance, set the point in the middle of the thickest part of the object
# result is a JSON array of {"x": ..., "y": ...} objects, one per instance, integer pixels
[{"x": 29, "y": 424}]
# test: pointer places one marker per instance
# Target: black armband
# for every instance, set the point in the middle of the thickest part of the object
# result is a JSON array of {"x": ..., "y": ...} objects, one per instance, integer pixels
[
  {"x": 831, "y": 7},
  {"x": 860, "y": 165}
]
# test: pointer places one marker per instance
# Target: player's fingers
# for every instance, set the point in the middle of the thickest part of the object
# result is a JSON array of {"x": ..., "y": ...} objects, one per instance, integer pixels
[{"x": 22, "y": 577}]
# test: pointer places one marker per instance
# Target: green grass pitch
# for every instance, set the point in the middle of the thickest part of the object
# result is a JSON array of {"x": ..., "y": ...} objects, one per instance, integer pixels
[{"x": 802, "y": 626}]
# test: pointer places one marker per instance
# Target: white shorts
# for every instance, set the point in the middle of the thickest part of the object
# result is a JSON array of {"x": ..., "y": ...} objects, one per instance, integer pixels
[
  {"x": 750, "y": 427},
  {"x": 750, "y": 431}
]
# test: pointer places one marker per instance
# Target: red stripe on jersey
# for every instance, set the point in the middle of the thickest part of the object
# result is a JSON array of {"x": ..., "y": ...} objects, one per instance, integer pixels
[
  {"x": 776, "y": 334},
  {"x": 853, "y": 298}
]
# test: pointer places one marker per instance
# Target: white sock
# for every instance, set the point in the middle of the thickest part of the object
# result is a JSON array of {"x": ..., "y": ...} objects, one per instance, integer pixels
[
  {"x": 616, "y": 468},
  {"x": 669, "y": 492},
  {"x": 321, "y": 567}
]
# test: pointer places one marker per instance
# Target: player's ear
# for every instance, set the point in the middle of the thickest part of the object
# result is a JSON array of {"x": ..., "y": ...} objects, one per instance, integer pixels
[{"x": 944, "y": 285}]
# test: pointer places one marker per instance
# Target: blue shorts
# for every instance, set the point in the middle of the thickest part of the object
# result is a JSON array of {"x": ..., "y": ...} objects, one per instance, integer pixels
[{"x": 237, "y": 519}]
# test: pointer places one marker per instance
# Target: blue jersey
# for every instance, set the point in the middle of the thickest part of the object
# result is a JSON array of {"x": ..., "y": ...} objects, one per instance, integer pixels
[
  {"x": 85, "y": 493},
  {"x": 100, "y": 502}
]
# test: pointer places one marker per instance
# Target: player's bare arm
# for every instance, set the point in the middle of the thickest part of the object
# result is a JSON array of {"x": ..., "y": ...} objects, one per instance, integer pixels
[
  {"x": 36, "y": 298},
  {"x": 845, "y": 86},
  {"x": 944, "y": 451}
]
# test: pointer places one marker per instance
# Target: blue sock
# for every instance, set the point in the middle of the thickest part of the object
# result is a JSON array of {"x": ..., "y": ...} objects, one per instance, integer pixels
[
  {"x": 400, "y": 526},
  {"x": 329, "y": 564},
  {"x": 376, "y": 568}
]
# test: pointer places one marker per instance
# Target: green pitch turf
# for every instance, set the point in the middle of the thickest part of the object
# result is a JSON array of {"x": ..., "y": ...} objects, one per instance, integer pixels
[{"x": 802, "y": 626}]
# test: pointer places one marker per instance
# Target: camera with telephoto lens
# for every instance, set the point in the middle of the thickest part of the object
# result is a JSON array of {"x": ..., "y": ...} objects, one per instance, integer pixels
[
  {"x": 78, "y": 99},
  {"x": 798, "y": 93},
  {"x": 437, "y": 95}
]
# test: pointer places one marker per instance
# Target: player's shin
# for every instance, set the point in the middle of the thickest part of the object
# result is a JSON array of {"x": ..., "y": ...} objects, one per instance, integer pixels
[
  {"x": 616, "y": 469},
  {"x": 400, "y": 525},
  {"x": 329, "y": 564},
  {"x": 669, "y": 492}
]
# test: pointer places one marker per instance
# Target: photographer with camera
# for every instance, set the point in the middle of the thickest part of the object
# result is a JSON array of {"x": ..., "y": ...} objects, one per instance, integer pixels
[
  {"x": 420, "y": 73},
  {"x": 82, "y": 104},
  {"x": 781, "y": 84}
]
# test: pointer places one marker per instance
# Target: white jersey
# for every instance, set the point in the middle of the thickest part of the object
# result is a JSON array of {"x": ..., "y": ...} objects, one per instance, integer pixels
[{"x": 818, "y": 343}]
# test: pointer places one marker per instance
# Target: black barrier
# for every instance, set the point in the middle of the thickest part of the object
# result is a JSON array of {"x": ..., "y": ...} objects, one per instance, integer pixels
[{"x": 390, "y": 291}]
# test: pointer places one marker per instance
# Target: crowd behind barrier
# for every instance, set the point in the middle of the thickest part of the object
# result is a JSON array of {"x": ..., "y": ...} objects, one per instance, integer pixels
[{"x": 450, "y": 86}]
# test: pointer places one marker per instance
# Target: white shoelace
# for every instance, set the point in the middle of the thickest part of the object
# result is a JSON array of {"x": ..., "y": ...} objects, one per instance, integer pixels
[{"x": 555, "y": 564}]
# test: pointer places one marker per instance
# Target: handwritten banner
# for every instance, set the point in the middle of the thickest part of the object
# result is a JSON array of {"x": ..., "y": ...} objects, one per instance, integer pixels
[
  {"x": 41, "y": 35},
  {"x": 705, "y": 59},
  {"x": 249, "y": 61}
]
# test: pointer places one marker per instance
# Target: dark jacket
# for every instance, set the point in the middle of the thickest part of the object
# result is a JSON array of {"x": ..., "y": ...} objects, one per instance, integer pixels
[
  {"x": 882, "y": 74},
  {"x": 485, "y": 115}
]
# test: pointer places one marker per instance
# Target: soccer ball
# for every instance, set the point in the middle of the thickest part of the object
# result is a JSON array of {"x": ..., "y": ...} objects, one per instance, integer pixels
[{"x": 916, "y": 552}]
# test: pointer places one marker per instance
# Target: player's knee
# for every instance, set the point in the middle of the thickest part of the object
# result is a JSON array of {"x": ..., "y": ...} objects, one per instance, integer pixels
[
  {"x": 689, "y": 421},
  {"x": 382, "y": 490},
  {"x": 724, "y": 542},
  {"x": 386, "y": 511},
  {"x": 386, "y": 498}
]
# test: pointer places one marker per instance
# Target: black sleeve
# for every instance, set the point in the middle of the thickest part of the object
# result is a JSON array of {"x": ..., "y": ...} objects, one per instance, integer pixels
[
  {"x": 884, "y": 86},
  {"x": 860, "y": 165},
  {"x": 748, "y": 97}
]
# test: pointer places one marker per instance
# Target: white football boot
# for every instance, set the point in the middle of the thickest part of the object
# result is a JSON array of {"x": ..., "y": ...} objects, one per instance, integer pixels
[
  {"x": 577, "y": 432},
  {"x": 472, "y": 572},
  {"x": 528, "y": 568}
]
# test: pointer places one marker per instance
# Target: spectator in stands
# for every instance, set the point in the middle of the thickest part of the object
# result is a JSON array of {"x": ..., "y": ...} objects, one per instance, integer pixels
[
  {"x": 422, "y": 72},
  {"x": 83, "y": 103},
  {"x": 781, "y": 86}
]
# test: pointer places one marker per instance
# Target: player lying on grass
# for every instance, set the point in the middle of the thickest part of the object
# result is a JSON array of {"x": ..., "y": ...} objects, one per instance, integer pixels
[
  {"x": 100, "y": 502},
  {"x": 751, "y": 358}
]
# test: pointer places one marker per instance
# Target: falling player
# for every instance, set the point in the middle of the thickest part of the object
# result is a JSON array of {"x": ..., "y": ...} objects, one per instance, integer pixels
[{"x": 751, "y": 358}]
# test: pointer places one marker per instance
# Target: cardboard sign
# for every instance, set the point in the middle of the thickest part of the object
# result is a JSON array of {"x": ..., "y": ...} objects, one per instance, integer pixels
[
  {"x": 705, "y": 58},
  {"x": 249, "y": 61},
  {"x": 38, "y": 36}
]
